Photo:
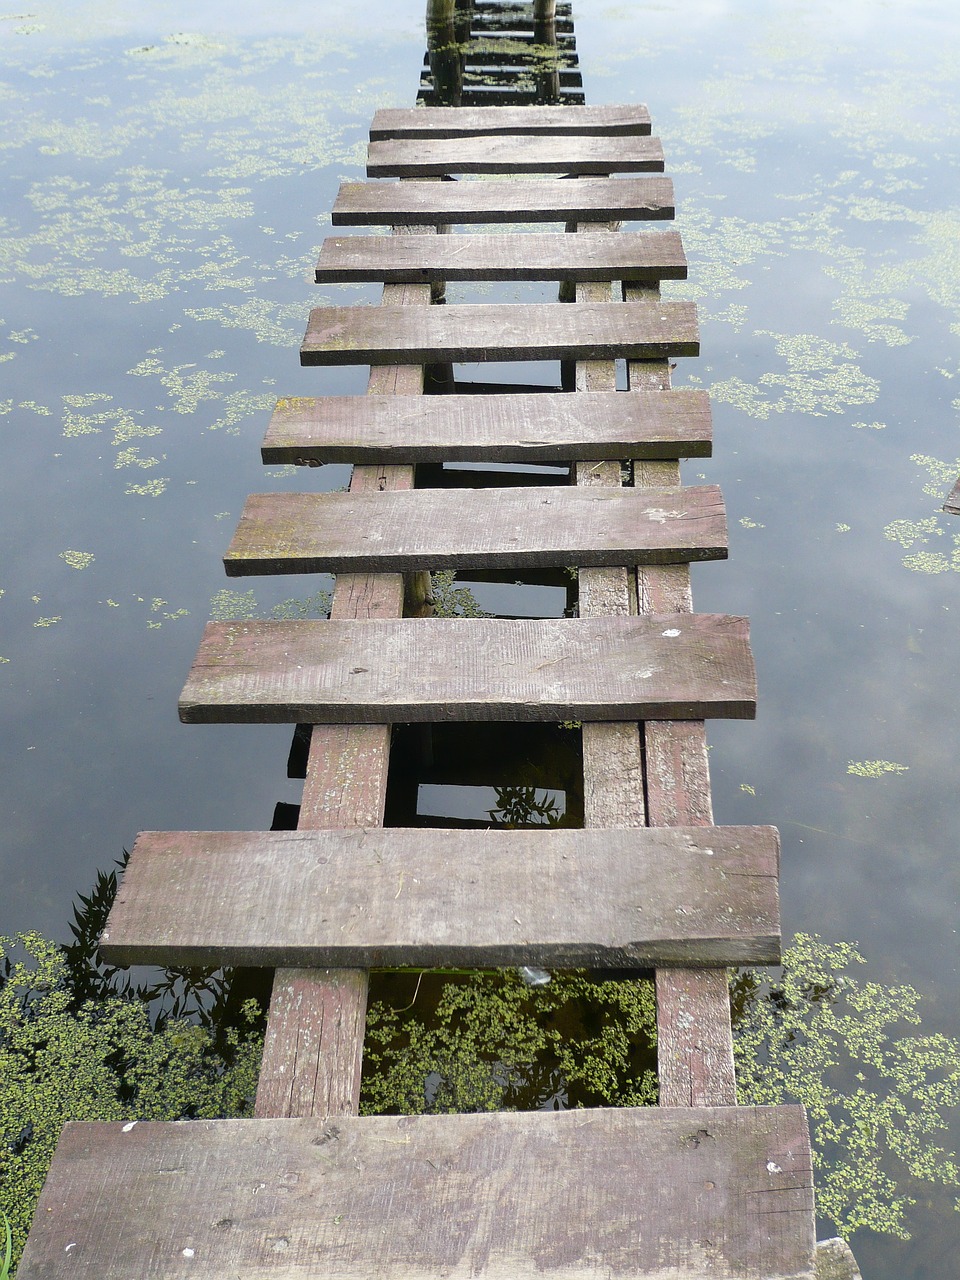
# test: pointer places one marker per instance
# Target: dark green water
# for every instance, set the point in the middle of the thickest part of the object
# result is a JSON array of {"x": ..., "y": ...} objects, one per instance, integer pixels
[{"x": 166, "y": 184}]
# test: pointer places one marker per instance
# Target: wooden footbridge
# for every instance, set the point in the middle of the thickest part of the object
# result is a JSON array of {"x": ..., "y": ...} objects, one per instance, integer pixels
[{"x": 697, "y": 1187}]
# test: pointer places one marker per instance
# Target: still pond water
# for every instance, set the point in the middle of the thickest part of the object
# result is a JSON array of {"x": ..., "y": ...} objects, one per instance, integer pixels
[{"x": 167, "y": 176}]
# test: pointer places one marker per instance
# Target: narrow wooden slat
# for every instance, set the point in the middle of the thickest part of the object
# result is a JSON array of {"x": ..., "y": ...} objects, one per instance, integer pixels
[
  {"x": 521, "y": 427},
  {"x": 459, "y": 122},
  {"x": 575, "y": 1195},
  {"x": 512, "y": 153},
  {"x": 529, "y": 527},
  {"x": 421, "y": 669},
  {"x": 438, "y": 898},
  {"x": 639, "y": 256},
  {"x": 952, "y": 504},
  {"x": 523, "y": 200},
  {"x": 489, "y": 51},
  {"x": 485, "y": 331},
  {"x": 313, "y": 1047}
]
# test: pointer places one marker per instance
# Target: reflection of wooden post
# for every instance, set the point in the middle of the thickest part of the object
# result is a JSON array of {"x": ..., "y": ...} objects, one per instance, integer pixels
[
  {"x": 443, "y": 52},
  {"x": 545, "y": 37}
]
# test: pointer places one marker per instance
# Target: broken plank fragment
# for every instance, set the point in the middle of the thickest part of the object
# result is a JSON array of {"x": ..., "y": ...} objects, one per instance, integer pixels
[
  {"x": 485, "y": 331},
  {"x": 384, "y": 671},
  {"x": 512, "y": 153},
  {"x": 523, "y": 427},
  {"x": 631, "y": 1191},
  {"x": 528, "y": 527},
  {"x": 463, "y": 122},
  {"x": 637, "y": 256},
  {"x": 952, "y": 504},
  {"x": 524, "y": 200},
  {"x": 394, "y": 897}
]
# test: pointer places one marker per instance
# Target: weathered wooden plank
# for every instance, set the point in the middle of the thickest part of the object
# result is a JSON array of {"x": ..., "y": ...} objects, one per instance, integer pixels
[
  {"x": 512, "y": 153},
  {"x": 460, "y": 122},
  {"x": 489, "y": 51},
  {"x": 529, "y": 527},
  {"x": 647, "y": 257},
  {"x": 522, "y": 427},
  {"x": 952, "y": 504},
  {"x": 431, "y": 898},
  {"x": 313, "y": 1047},
  {"x": 486, "y": 331},
  {"x": 365, "y": 204},
  {"x": 575, "y": 1195},
  {"x": 421, "y": 669}
]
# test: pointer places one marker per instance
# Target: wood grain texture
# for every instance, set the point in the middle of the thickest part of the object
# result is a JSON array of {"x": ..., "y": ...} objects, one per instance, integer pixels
[
  {"x": 694, "y": 1035},
  {"x": 465, "y": 122},
  {"x": 512, "y": 153},
  {"x": 437, "y": 898},
  {"x": 478, "y": 331},
  {"x": 952, "y": 504},
  {"x": 647, "y": 256},
  {"x": 575, "y": 1195},
  {"x": 529, "y": 527},
  {"x": 521, "y": 427},
  {"x": 365, "y": 204},
  {"x": 423, "y": 669},
  {"x": 313, "y": 1047}
]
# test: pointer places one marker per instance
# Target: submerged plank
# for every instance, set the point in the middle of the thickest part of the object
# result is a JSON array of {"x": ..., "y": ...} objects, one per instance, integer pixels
[
  {"x": 523, "y": 200},
  {"x": 523, "y": 427},
  {"x": 382, "y": 671},
  {"x": 461, "y": 122},
  {"x": 638, "y": 256},
  {"x": 487, "y": 331},
  {"x": 556, "y": 898},
  {"x": 512, "y": 153},
  {"x": 575, "y": 1195},
  {"x": 952, "y": 504},
  {"x": 529, "y": 527}
]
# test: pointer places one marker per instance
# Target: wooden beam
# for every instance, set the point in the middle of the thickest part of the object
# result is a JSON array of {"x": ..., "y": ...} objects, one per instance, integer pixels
[
  {"x": 460, "y": 122},
  {"x": 435, "y": 898},
  {"x": 512, "y": 153},
  {"x": 529, "y": 527},
  {"x": 573, "y": 1195},
  {"x": 419, "y": 670},
  {"x": 952, "y": 504},
  {"x": 486, "y": 331},
  {"x": 366, "y": 204},
  {"x": 521, "y": 427},
  {"x": 641, "y": 256}
]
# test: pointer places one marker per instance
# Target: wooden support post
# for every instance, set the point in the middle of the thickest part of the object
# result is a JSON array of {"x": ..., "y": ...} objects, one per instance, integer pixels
[
  {"x": 545, "y": 38},
  {"x": 694, "y": 1036},
  {"x": 313, "y": 1053}
]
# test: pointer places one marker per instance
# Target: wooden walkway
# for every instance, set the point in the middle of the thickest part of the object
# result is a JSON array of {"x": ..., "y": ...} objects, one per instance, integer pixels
[{"x": 694, "y": 1188}]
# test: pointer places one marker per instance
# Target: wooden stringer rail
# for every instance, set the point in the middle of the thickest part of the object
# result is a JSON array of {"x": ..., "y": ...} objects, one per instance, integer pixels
[{"x": 696, "y": 1187}]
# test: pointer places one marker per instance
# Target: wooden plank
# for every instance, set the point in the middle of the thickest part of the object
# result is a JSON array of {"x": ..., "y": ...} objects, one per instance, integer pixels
[
  {"x": 646, "y": 257},
  {"x": 489, "y": 331},
  {"x": 952, "y": 504},
  {"x": 313, "y": 1047},
  {"x": 459, "y": 122},
  {"x": 438, "y": 898},
  {"x": 366, "y": 204},
  {"x": 489, "y": 51},
  {"x": 383, "y": 671},
  {"x": 522, "y": 427},
  {"x": 575, "y": 1195},
  {"x": 512, "y": 153},
  {"x": 529, "y": 527}
]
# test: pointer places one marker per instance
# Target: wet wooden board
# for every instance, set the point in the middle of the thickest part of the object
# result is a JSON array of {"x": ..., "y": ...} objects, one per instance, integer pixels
[
  {"x": 575, "y": 1195},
  {"x": 644, "y": 257},
  {"x": 952, "y": 504},
  {"x": 366, "y": 204},
  {"x": 529, "y": 527},
  {"x": 384, "y": 671},
  {"x": 440, "y": 898},
  {"x": 487, "y": 51},
  {"x": 512, "y": 153},
  {"x": 460, "y": 122},
  {"x": 522, "y": 427},
  {"x": 487, "y": 331}
]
